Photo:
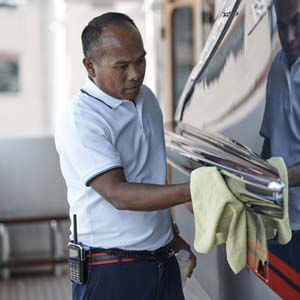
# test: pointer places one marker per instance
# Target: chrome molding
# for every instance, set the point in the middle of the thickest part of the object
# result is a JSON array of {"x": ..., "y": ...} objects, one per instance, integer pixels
[{"x": 250, "y": 178}]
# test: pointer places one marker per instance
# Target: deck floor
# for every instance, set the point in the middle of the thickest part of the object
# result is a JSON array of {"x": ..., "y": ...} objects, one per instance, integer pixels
[
  {"x": 36, "y": 288},
  {"x": 59, "y": 288}
]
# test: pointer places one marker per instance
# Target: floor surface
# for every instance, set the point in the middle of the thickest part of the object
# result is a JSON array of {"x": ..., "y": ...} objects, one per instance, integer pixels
[{"x": 58, "y": 287}]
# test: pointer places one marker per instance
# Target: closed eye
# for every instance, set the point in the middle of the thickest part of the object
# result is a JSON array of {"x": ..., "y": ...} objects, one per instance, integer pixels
[
  {"x": 141, "y": 60},
  {"x": 121, "y": 67}
]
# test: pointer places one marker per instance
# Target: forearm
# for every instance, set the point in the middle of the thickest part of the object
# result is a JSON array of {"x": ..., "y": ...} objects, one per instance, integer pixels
[
  {"x": 294, "y": 175},
  {"x": 148, "y": 197}
]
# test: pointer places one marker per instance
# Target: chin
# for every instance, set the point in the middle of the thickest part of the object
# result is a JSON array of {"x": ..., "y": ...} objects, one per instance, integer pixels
[
  {"x": 292, "y": 56},
  {"x": 132, "y": 96}
]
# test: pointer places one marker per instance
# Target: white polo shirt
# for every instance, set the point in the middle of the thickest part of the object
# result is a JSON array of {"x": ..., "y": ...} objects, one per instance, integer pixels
[
  {"x": 281, "y": 121},
  {"x": 97, "y": 133}
]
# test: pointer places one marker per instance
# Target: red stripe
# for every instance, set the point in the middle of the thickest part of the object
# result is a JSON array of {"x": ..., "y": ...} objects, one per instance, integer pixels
[
  {"x": 110, "y": 261},
  {"x": 281, "y": 287},
  {"x": 128, "y": 259},
  {"x": 97, "y": 254},
  {"x": 103, "y": 262},
  {"x": 285, "y": 269}
]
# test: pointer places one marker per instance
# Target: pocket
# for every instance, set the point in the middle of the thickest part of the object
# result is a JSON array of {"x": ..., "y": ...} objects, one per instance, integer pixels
[{"x": 78, "y": 291}]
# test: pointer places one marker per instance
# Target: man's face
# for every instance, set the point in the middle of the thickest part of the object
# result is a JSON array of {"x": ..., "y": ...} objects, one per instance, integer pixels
[
  {"x": 119, "y": 65},
  {"x": 288, "y": 19}
]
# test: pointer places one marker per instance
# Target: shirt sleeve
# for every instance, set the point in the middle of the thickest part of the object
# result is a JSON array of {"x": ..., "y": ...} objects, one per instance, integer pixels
[{"x": 88, "y": 148}]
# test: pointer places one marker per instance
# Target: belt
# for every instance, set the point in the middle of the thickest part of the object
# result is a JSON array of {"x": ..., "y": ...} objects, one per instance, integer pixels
[
  {"x": 102, "y": 258},
  {"x": 97, "y": 256}
]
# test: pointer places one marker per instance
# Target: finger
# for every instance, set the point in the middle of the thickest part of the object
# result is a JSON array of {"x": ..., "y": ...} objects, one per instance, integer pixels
[
  {"x": 193, "y": 265},
  {"x": 189, "y": 206}
]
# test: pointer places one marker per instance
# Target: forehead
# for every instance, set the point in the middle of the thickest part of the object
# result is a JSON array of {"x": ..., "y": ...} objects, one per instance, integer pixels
[
  {"x": 121, "y": 41},
  {"x": 286, "y": 9}
]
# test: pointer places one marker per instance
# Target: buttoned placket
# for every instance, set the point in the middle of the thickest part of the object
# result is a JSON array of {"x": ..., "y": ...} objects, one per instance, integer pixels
[{"x": 287, "y": 74}]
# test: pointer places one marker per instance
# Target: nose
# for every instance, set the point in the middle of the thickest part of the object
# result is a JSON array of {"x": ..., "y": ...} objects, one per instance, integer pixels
[
  {"x": 290, "y": 35},
  {"x": 133, "y": 72}
]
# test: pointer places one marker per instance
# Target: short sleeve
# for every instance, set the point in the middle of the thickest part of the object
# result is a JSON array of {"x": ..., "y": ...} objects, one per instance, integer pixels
[{"x": 88, "y": 148}]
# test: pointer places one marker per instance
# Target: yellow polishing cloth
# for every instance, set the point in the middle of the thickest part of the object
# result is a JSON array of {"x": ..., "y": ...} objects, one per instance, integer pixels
[{"x": 221, "y": 218}]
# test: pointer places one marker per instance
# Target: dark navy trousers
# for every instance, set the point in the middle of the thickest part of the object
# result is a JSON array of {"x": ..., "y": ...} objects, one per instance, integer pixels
[
  {"x": 137, "y": 280},
  {"x": 289, "y": 253}
]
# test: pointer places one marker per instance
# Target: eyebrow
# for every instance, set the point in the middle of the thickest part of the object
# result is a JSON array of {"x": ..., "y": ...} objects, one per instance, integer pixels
[{"x": 123, "y": 62}]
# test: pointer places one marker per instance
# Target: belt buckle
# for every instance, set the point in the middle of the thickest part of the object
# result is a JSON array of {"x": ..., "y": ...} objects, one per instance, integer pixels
[
  {"x": 166, "y": 254},
  {"x": 171, "y": 253}
]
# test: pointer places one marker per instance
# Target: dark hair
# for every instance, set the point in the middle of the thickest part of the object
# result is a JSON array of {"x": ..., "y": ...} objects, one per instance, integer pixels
[{"x": 91, "y": 34}]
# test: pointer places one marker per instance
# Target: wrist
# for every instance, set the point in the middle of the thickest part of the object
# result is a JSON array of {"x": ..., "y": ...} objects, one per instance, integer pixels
[{"x": 187, "y": 192}]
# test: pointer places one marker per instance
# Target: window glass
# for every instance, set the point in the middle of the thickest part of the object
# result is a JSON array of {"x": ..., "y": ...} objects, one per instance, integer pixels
[
  {"x": 207, "y": 18},
  {"x": 9, "y": 74},
  {"x": 233, "y": 83},
  {"x": 182, "y": 48}
]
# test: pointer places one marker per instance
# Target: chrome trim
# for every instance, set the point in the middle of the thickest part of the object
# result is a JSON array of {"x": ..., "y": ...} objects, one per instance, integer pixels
[{"x": 250, "y": 178}]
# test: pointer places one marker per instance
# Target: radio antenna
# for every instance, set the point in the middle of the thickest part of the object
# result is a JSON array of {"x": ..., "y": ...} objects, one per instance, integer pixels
[{"x": 75, "y": 228}]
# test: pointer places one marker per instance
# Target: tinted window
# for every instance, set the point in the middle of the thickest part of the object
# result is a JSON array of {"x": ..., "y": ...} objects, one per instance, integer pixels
[
  {"x": 182, "y": 48},
  {"x": 233, "y": 84}
]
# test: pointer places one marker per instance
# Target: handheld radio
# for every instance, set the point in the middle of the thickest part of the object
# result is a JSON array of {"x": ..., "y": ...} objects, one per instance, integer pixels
[{"x": 77, "y": 262}]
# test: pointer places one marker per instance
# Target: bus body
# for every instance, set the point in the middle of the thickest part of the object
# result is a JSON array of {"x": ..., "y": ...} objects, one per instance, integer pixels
[{"x": 224, "y": 92}]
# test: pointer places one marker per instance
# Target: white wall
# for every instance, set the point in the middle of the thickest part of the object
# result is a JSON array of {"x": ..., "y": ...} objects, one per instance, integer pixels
[
  {"x": 45, "y": 35},
  {"x": 23, "y": 112}
]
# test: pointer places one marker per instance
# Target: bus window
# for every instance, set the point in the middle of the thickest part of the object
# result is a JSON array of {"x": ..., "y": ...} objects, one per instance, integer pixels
[
  {"x": 182, "y": 49},
  {"x": 207, "y": 17}
]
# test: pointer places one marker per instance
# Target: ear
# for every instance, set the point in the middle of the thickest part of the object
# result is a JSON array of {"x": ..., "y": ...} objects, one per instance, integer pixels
[{"x": 89, "y": 65}]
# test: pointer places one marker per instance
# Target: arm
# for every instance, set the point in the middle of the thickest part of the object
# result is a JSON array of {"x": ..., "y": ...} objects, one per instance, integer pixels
[
  {"x": 293, "y": 171},
  {"x": 138, "y": 196}
]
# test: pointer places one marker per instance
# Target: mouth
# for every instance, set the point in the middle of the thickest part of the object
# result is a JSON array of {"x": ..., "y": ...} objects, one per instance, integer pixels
[
  {"x": 133, "y": 88},
  {"x": 292, "y": 50}
]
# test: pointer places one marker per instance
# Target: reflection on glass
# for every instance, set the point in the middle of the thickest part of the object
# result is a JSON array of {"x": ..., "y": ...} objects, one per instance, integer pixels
[
  {"x": 233, "y": 84},
  {"x": 223, "y": 19},
  {"x": 246, "y": 85},
  {"x": 280, "y": 126},
  {"x": 207, "y": 19},
  {"x": 182, "y": 48}
]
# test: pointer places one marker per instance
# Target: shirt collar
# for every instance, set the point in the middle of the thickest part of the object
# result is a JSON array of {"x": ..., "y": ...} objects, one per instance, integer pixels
[
  {"x": 296, "y": 66},
  {"x": 93, "y": 90},
  {"x": 284, "y": 61}
]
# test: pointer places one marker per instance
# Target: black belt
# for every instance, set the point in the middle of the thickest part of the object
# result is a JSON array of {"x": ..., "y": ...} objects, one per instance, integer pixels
[{"x": 105, "y": 256}]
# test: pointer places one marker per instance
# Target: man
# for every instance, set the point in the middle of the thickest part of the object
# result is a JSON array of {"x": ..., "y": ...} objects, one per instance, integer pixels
[
  {"x": 112, "y": 154},
  {"x": 281, "y": 127}
]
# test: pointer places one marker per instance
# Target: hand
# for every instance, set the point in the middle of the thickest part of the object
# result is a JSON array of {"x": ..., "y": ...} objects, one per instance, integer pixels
[{"x": 179, "y": 243}]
